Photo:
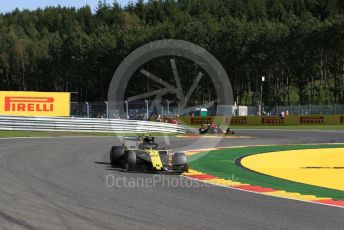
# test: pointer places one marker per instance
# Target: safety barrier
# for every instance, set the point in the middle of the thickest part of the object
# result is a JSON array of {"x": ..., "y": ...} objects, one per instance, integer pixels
[{"x": 85, "y": 125}]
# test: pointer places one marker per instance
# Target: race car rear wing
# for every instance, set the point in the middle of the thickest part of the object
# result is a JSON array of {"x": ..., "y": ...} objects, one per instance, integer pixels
[
  {"x": 131, "y": 142},
  {"x": 132, "y": 138}
]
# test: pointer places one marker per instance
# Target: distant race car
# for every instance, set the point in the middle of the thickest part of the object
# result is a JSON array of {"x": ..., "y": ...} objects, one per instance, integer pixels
[
  {"x": 142, "y": 154},
  {"x": 213, "y": 129}
]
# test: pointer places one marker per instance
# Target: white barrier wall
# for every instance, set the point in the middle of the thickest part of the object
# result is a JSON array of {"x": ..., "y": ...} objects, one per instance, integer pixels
[{"x": 85, "y": 125}]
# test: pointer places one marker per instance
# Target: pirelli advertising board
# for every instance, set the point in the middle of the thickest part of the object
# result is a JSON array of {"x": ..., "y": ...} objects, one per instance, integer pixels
[
  {"x": 270, "y": 120},
  {"x": 23, "y": 103}
]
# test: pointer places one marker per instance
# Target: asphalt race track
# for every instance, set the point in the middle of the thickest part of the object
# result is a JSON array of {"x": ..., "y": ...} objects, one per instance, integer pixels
[{"x": 61, "y": 183}]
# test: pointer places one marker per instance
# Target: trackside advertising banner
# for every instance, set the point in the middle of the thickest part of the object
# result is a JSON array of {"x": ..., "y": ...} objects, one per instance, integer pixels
[
  {"x": 269, "y": 120},
  {"x": 23, "y": 103}
]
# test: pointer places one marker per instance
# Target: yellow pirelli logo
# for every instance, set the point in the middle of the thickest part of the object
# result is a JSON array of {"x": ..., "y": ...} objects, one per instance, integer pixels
[{"x": 20, "y": 103}]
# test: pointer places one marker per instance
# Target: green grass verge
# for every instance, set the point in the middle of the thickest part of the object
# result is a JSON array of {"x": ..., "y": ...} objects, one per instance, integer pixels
[
  {"x": 63, "y": 134},
  {"x": 221, "y": 163}
]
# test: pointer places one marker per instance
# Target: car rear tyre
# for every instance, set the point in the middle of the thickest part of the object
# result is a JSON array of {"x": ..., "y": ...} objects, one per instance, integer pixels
[{"x": 116, "y": 154}]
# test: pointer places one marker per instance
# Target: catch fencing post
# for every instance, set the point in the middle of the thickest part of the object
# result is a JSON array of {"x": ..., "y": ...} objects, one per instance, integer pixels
[
  {"x": 107, "y": 109},
  {"x": 126, "y": 108},
  {"x": 146, "y": 102},
  {"x": 87, "y": 109},
  {"x": 261, "y": 96}
]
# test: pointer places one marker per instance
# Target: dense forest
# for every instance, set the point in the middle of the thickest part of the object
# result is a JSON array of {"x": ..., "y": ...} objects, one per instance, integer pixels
[{"x": 298, "y": 45}]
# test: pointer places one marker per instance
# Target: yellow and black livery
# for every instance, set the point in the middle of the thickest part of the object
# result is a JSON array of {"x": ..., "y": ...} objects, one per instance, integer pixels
[{"x": 141, "y": 153}]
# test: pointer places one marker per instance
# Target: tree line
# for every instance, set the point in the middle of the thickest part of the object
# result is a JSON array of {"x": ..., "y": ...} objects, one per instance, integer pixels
[{"x": 298, "y": 45}]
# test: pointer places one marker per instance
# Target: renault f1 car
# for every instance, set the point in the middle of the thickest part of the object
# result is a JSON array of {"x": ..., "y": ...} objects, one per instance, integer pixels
[
  {"x": 143, "y": 154},
  {"x": 213, "y": 129}
]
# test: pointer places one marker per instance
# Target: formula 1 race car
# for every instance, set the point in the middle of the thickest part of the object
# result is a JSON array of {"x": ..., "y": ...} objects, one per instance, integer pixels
[
  {"x": 213, "y": 129},
  {"x": 142, "y": 154}
]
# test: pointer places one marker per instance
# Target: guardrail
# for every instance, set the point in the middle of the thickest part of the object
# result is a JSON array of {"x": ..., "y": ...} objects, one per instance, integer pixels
[{"x": 85, "y": 125}]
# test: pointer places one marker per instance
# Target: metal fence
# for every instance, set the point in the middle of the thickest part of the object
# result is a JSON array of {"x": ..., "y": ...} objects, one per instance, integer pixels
[
  {"x": 135, "y": 110},
  {"x": 304, "y": 110},
  {"x": 138, "y": 110}
]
